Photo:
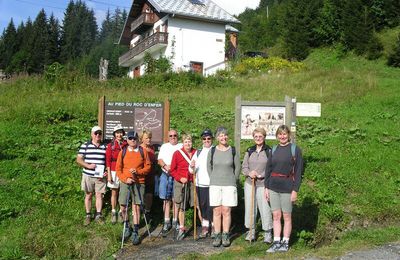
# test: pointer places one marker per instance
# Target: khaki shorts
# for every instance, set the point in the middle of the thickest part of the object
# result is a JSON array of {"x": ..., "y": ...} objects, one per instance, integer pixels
[
  {"x": 223, "y": 196},
  {"x": 280, "y": 201},
  {"x": 179, "y": 194},
  {"x": 136, "y": 193},
  {"x": 91, "y": 184}
]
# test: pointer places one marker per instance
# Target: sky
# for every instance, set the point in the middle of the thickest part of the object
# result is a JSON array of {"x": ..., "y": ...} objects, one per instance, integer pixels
[{"x": 20, "y": 10}]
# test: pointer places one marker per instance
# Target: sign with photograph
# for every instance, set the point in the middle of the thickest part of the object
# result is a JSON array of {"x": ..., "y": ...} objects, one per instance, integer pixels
[
  {"x": 267, "y": 117},
  {"x": 134, "y": 116}
]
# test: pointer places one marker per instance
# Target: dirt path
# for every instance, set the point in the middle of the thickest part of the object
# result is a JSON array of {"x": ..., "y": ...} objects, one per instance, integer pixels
[{"x": 158, "y": 247}]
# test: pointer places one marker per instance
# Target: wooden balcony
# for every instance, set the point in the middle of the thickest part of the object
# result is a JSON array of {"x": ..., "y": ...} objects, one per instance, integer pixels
[
  {"x": 151, "y": 44},
  {"x": 144, "y": 20}
]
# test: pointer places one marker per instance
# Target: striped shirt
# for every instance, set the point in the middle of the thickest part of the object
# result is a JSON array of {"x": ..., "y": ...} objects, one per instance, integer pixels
[{"x": 92, "y": 154}]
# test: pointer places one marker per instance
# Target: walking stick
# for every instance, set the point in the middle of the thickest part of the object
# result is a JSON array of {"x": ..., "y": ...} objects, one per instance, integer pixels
[
  {"x": 252, "y": 209},
  {"x": 195, "y": 206},
  {"x": 142, "y": 208},
  {"x": 125, "y": 218}
]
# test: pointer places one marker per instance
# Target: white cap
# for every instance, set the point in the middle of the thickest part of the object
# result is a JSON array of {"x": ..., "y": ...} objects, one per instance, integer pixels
[
  {"x": 117, "y": 127},
  {"x": 96, "y": 128}
]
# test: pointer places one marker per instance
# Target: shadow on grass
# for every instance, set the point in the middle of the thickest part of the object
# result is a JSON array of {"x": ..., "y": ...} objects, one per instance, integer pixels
[{"x": 305, "y": 220}]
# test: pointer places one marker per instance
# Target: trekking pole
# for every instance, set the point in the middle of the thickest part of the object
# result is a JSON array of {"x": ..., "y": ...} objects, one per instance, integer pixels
[
  {"x": 125, "y": 218},
  {"x": 142, "y": 208},
  {"x": 195, "y": 207},
  {"x": 252, "y": 209}
]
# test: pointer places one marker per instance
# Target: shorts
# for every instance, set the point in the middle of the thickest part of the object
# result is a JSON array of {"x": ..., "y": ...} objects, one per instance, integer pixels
[
  {"x": 90, "y": 184},
  {"x": 280, "y": 201},
  {"x": 136, "y": 191},
  {"x": 223, "y": 196},
  {"x": 179, "y": 194},
  {"x": 166, "y": 187},
  {"x": 115, "y": 184}
]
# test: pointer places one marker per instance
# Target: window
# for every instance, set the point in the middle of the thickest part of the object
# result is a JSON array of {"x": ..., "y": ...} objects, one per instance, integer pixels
[{"x": 197, "y": 2}]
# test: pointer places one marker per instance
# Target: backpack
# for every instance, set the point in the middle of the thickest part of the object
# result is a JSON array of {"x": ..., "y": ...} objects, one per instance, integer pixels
[
  {"x": 265, "y": 148},
  {"x": 124, "y": 153},
  {"x": 212, "y": 156}
]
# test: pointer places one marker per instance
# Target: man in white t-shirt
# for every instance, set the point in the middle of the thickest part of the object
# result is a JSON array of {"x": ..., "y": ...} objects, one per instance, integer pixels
[{"x": 166, "y": 186}]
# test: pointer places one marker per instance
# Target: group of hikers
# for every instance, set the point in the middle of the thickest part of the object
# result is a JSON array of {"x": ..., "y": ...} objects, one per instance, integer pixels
[{"x": 205, "y": 177}]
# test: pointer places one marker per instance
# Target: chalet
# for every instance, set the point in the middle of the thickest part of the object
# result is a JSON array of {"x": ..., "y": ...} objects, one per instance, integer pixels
[{"x": 190, "y": 33}]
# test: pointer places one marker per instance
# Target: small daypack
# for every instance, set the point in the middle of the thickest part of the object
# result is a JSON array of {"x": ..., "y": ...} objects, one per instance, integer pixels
[
  {"x": 124, "y": 153},
  {"x": 253, "y": 148}
]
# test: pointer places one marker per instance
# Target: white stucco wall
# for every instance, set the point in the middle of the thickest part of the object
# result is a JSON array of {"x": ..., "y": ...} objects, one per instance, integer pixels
[{"x": 194, "y": 41}]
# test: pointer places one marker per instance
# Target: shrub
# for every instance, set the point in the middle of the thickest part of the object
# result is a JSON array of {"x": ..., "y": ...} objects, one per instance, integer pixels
[{"x": 260, "y": 64}]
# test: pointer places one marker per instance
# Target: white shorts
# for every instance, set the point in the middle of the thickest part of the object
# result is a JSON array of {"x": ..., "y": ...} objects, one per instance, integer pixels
[
  {"x": 115, "y": 184},
  {"x": 223, "y": 196}
]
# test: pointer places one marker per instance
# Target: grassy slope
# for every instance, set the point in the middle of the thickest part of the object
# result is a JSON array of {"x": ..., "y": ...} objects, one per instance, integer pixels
[{"x": 351, "y": 180}]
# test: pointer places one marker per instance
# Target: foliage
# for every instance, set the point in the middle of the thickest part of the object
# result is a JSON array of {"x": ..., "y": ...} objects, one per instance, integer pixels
[
  {"x": 259, "y": 64},
  {"x": 160, "y": 65},
  {"x": 394, "y": 57}
]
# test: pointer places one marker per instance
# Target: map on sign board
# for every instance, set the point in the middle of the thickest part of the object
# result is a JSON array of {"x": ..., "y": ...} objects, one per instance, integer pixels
[
  {"x": 134, "y": 116},
  {"x": 267, "y": 117}
]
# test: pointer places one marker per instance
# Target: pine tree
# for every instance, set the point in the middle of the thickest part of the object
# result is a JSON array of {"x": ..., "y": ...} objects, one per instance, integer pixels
[
  {"x": 105, "y": 30},
  {"x": 54, "y": 40},
  {"x": 39, "y": 49},
  {"x": 394, "y": 58},
  {"x": 79, "y": 31},
  {"x": 357, "y": 26},
  {"x": 9, "y": 46}
]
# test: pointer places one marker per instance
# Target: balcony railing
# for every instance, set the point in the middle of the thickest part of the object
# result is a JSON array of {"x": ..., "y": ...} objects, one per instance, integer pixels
[
  {"x": 146, "y": 43},
  {"x": 144, "y": 19}
]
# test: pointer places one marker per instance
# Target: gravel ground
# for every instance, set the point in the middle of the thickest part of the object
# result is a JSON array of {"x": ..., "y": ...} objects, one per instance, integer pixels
[{"x": 157, "y": 247}]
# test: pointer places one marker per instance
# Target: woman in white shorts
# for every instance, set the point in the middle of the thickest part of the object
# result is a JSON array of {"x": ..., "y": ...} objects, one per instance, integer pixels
[
  {"x": 112, "y": 152},
  {"x": 224, "y": 168}
]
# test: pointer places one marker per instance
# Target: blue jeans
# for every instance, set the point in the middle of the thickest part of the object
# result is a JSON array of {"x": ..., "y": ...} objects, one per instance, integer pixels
[{"x": 166, "y": 187}]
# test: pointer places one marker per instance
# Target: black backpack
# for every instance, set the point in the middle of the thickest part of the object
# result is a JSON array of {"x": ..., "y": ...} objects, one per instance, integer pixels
[{"x": 265, "y": 148}]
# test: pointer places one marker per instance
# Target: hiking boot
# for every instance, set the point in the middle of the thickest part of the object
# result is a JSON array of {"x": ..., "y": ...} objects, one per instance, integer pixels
[
  {"x": 181, "y": 234},
  {"x": 99, "y": 219},
  {"x": 204, "y": 232},
  {"x": 175, "y": 225},
  {"x": 250, "y": 237},
  {"x": 268, "y": 236},
  {"x": 114, "y": 217},
  {"x": 87, "y": 221},
  {"x": 217, "y": 240},
  {"x": 275, "y": 247},
  {"x": 120, "y": 218},
  {"x": 127, "y": 231},
  {"x": 135, "y": 238},
  {"x": 165, "y": 229},
  {"x": 225, "y": 239},
  {"x": 284, "y": 247}
]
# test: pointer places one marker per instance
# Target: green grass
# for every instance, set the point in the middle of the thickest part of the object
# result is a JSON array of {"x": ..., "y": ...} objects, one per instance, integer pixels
[{"x": 350, "y": 193}]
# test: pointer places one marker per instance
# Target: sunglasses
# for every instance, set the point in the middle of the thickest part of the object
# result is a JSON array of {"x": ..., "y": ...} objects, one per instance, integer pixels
[
  {"x": 173, "y": 135},
  {"x": 207, "y": 138},
  {"x": 132, "y": 138},
  {"x": 98, "y": 133}
]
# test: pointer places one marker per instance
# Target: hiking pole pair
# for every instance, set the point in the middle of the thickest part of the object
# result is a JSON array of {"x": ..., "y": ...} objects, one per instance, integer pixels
[
  {"x": 142, "y": 207},
  {"x": 126, "y": 218}
]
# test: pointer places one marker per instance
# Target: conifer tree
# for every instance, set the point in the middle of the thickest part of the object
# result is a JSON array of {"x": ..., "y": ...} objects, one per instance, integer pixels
[
  {"x": 39, "y": 50},
  {"x": 394, "y": 57},
  {"x": 106, "y": 25},
  {"x": 9, "y": 46},
  {"x": 54, "y": 40},
  {"x": 357, "y": 26},
  {"x": 328, "y": 28}
]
